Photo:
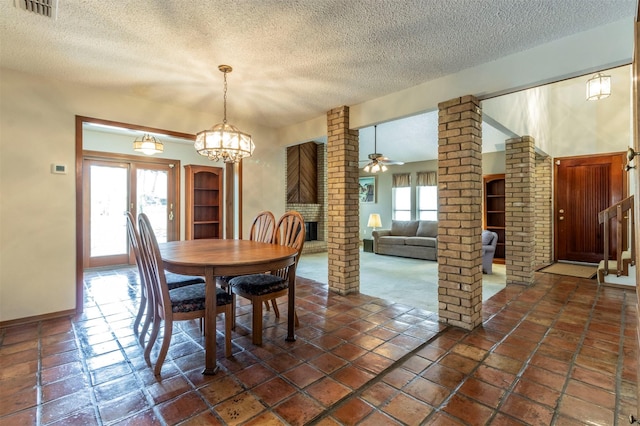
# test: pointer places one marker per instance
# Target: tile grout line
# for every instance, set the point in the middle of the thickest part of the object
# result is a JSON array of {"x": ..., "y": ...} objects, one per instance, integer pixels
[
  {"x": 620, "y": 363},
  {"x": 567, "y": 379},
  {"x": 507, "y": 391},
  {"x": 398, "y": 364},
  {"x": 378, "y": 378},
  {"x": 85, "y": 369},
  {"x": 39, "y": 394}
]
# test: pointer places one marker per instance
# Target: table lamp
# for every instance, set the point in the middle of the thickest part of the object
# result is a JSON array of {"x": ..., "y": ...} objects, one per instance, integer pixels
[{"x": 374, "y": 221}]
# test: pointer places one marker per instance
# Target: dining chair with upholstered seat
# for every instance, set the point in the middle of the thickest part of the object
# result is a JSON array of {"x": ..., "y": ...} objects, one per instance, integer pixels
[
  {"x": 261, "y": 288},
  {"x": 178, "y": 304},
  {"x": 173, "y": 281},
  {"x": 262, "y": 229}
]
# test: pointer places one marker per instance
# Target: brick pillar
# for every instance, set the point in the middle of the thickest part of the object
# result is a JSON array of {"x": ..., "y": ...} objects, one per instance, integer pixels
[
  {"x": 542, "y": 213},
  {"x": 343, "y": 208},
  {"x": 519, "y": 211},
  {"x": 459, "y": 212}
]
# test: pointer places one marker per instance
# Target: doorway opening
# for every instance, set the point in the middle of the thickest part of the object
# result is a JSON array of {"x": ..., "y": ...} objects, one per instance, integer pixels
[{"x": 150, "y": 171}]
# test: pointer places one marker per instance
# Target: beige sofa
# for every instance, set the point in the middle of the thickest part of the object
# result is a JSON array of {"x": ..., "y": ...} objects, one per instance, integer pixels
[{"x": 410, "y": 238}]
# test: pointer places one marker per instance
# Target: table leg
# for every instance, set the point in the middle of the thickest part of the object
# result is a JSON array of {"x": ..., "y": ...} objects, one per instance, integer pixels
[
  {"x": 291, "y": 309},
  {"x": 210, "y": 366}
]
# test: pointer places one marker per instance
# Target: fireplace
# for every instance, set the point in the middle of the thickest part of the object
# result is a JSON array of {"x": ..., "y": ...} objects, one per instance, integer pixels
[
  {"x": 311, "y": 231},
  {"x": 315, "y": 215}
]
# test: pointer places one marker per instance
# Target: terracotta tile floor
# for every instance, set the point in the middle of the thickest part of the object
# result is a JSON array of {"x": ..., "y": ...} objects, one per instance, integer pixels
[{"x": 562, "y": 351}]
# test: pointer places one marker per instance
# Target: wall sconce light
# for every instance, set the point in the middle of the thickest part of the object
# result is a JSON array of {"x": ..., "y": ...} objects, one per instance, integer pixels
[{"x": 598, "y": 87}]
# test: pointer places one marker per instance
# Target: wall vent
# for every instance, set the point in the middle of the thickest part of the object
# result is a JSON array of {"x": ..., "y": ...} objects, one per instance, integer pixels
[{"x": 48, "y": 8}]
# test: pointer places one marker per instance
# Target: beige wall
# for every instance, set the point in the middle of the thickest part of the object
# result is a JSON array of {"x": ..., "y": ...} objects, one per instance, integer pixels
[
  {"x": 543, "y": 112},
  {"x": 37, "y": 128},
  {"x": 37, "y": 208}
]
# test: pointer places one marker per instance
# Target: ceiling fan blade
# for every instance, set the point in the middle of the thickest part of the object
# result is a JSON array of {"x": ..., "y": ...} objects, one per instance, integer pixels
[{"x": 390, "y": 162}]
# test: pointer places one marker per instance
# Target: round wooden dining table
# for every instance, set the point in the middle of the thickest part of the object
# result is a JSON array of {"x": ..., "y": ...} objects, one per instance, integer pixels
[{"x": 211, "y": 258}]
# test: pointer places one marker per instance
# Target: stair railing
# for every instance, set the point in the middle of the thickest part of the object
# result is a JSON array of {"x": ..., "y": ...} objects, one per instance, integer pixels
[{"x": 622, "y": 212}]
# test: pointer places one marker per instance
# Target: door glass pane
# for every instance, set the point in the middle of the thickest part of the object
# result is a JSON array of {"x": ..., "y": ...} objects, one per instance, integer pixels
[
  {"x": 108, "y": 205},
  {"x": 152, "y": 199}
]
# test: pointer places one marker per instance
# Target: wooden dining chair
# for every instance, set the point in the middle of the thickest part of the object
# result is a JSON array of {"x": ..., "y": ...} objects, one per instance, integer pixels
[
  {"x": 262, "y": 230},
  {"x": 182, "y": 303},
  {"x": 261, "y": 288},
  {"x": 173, "y": 281}
]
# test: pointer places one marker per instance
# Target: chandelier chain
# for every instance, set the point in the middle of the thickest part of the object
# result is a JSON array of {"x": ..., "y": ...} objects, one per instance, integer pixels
[{"x": 225, "y": 97}]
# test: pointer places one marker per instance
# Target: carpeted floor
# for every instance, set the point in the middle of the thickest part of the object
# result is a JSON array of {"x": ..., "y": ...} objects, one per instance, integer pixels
[
  {"x": 582, "y": 271},
  {"x": 412, "y": 282}
]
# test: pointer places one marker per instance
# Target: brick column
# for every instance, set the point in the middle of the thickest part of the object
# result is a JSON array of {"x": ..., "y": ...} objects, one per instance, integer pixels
[
  {"x": 519, "y": 212},
  {"x": 542, "y": 212},
  {"x": 459, "y": 212},
  {"x": 343, "y": 208}
]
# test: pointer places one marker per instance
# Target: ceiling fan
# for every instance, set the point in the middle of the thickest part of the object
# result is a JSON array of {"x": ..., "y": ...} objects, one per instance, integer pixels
[{"x": 378, "y": 162}]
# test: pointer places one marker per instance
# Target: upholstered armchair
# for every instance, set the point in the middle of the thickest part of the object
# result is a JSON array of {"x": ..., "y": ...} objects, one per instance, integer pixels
[{"x": 489, "y": 243}]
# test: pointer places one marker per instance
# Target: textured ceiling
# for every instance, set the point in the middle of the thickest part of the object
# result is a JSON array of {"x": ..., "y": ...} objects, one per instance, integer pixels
[{"x": 293, "y": 60}]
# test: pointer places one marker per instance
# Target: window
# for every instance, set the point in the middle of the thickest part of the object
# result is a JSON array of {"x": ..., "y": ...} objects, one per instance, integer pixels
[
  {"x": 427, "y": 196},
  {"x": 427, "y": 202},
  {"x": 401, "y": 194},
  {"x": 402, "y": 203}
]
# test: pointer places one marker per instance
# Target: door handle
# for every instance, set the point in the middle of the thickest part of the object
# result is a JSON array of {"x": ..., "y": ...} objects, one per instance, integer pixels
[{"x": 171, "y": 211}]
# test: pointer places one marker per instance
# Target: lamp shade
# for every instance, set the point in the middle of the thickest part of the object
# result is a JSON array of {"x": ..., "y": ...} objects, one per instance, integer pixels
[
  {"x": 374, "y": 221},
  {"x": 148, "y": 145},
  {"x": 224, "y": 142},
  {"x": 598, "y": 87}
]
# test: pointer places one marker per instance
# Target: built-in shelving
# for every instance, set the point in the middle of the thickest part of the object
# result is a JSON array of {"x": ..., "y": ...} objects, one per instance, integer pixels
[
  {"x": 203, "y": 202},
  {"x": 494, "y": 211}
]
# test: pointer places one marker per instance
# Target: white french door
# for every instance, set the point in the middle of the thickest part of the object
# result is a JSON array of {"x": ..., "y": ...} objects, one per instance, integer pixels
[{"x": 111, "y": 188}]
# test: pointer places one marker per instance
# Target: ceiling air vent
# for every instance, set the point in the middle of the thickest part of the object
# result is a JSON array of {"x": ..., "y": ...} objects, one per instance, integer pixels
[{"x": 46, "y": 8}]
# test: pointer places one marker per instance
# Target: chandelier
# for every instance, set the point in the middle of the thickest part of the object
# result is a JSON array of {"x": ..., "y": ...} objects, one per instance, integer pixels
[
  {"x": 148, "y": 145},
  {"x": 224, "y": 141},
  {"x": 598, "y": 87}
]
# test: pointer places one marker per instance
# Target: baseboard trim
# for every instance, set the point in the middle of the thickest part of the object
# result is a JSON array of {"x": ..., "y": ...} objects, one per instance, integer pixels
[{"x": 37, "y": 318}]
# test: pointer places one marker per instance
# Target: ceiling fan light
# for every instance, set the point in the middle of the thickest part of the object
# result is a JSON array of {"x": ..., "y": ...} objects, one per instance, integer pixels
[{"x": 377, "y": 163}]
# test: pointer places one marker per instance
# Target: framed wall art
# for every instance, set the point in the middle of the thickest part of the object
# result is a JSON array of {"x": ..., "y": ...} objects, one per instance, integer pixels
[{"x": 368, "y": 189}]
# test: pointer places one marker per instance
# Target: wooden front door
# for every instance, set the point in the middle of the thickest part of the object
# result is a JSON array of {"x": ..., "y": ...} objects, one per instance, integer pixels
[{"x": 584, "y": 186}]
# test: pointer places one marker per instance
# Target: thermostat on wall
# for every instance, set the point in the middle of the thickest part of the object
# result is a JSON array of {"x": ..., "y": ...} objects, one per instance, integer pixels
[{"x": 60, "y": 169}]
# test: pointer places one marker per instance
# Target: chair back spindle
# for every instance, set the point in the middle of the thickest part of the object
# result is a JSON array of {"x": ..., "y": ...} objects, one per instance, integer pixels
[{"x": 263, "y": 227}]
